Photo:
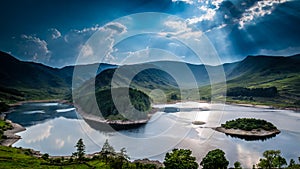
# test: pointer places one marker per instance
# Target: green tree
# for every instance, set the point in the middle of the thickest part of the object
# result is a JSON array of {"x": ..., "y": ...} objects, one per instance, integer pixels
[
  {"x": 272, "y": 159},
  {"x": 237, "y": 165},
  {"x": 79, "y": 154},
  {"x": 180, "y": 159},
  {"x": 107, "y": 148},
  {"x": 279, "y": 162},
  {"x": 215, "y": 159},
  {"x": 292, "y": 163},
  {"x": 45, "y": 156}
]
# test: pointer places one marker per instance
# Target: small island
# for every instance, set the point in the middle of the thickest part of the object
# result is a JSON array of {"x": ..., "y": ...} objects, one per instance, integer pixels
[
  {"x": 130, "y": 109},
  {"x": 249, "y": 128},
  {"x": 198, "y": 122}
]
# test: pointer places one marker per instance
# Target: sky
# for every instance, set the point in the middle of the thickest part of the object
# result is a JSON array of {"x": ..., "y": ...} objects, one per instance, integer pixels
[{"x": 58, "y": 33}]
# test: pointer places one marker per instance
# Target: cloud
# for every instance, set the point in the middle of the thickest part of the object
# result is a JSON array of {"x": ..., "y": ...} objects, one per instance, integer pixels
[
  {"x": 55, "y": 34},
  {"x": 59, "y": 143},
  {"x": 38, "y": 135},
  {"x": 180, "y": 29},
  {"x": 86, "y": 50},
  {"x": 115, "y": 26},
  {"x": 216, "y": 28},
  {"x": 185, "y": 1},
  {"x": 283, "y": 52},
  {"x": 259, "y": 9},
  {"x": 112, "y": 29},
  {"x": 209, "y": 14},
  {"x": 206, "y": 11},
  {"x": 34, "y": 48}
]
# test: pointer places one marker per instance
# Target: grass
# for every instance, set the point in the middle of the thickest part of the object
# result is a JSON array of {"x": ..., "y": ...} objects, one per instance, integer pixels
[
  {"x": 11, "y": 157},
  {"x": 4, "y": 126}
]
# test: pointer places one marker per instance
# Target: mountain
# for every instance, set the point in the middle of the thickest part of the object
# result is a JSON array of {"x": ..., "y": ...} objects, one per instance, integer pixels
[
  {"x": 262, "y": 72},
  {"x": 21, "y": 80},
  {"x": 27, "y": 80}
]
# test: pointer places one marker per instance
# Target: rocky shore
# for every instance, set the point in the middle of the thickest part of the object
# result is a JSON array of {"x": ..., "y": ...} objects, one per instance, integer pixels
[
  {"x": 244, "y": 133},
  {"x": 10, "y": 136}
]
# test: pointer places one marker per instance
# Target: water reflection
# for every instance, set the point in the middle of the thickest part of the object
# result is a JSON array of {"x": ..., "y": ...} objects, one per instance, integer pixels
[
  {"x": 252, "y": 138},
  {"x": 30, "y": 114},
  {"x": 56, "y": 132}
]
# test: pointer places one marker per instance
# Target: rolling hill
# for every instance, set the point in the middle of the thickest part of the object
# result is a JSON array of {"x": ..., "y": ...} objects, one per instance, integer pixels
[{"x": 21, "y": 80}]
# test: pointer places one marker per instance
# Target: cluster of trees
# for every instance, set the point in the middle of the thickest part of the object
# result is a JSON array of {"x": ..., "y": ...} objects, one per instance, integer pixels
[
  {"x": 4, "y": 126},
  {"x": 176, "y": 159},
  {"x": 3, "y": 107},
  {"x": 253, "y": 92},
  {"x": 248, "y": 124},
  {"x": 140, "y": 101},
  {"x": 106, "y": 158}
]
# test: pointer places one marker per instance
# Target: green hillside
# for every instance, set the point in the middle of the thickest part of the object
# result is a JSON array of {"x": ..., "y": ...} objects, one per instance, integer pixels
[
  {"x": 27, "y": 80},
  {"x": 256, "y": 72},
  {"x": 141, "y": 104},
  {"x": 31, "y": 81}
]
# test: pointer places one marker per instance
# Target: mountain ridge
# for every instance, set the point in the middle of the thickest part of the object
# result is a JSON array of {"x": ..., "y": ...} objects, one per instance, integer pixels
[{"x": 21, "y": 80}]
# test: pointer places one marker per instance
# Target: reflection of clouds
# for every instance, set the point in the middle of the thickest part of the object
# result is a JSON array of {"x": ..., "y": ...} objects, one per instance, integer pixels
[
  {"x": 38, "y": 133},
  {"x": 59, "y": 143},
  {"x": 247, "y": 156}
]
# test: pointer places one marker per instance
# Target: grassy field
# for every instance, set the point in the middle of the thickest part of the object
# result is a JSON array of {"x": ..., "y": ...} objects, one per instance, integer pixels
[{"x": 23, "y": 158}]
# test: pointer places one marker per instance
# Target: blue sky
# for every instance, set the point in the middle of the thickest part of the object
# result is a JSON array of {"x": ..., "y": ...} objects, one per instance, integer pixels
[{"x": 55, "y": 32}]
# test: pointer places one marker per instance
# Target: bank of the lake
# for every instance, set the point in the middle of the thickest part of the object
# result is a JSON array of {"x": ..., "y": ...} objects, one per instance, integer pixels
[
  {"x": 174, "y": 130},
  {"x": 243, "y": 133},
  {"x": 10, "y": 136}
]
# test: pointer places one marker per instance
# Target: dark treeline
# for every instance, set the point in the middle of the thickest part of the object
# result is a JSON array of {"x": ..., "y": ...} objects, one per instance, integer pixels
[{"x": 254, "y": 92}]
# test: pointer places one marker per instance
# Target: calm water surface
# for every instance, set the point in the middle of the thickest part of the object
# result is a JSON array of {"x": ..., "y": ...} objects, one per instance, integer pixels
[{"x": 55, "y": 128}]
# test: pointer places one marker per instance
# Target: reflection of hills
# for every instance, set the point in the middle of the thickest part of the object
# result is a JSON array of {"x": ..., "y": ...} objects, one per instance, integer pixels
[
  {"x": 27, "y": 116},
  {"x": 252, "y": 138}
]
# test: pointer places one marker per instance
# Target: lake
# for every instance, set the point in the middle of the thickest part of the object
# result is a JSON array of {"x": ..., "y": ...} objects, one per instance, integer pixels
[{"x": 55, "y": 128}]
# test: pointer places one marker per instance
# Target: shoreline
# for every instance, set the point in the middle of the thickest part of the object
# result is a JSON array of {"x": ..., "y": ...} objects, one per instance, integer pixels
[
  {"x": 109, "y": 125},
  {"x": 37, "y": 101},
  {"x": 11, "y": 135},
  {"x": 244, "y": 133}
]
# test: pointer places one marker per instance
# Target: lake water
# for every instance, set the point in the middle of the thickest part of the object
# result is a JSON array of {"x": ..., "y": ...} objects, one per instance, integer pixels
[{"x": 55, "y": 128}]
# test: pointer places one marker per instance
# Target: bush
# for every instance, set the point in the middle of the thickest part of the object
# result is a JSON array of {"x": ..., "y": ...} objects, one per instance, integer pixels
[{"x": 248, "y": 124}]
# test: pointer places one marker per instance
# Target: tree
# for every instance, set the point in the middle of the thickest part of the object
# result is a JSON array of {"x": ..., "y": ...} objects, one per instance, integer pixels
[
  {"x": 107, "y": 148},
  {"x": 45, "y": 156},
  {"x": 123, "y": 154},
  {"x": 215, "y": 159},
  {"x": 279, "y": 162},
  {"x": 237, "y": 165},
  {"x": 292, "y": 163},
  {"x": 272, "y": 159},
  {"x": 180, "y": 159},
  {"x": 80, "y": 150}
]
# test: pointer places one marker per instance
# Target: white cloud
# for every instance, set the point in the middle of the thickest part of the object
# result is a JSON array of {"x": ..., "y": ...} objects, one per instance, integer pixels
[
  {"x": 34, "y": 48},
  {"x": 38, "y": 135},
  {"x": 100, "y": 42},
  {"x": 113, "y": 29},
  {"x": 186, "y": 1},
  {"x": 86, "y": 50},
  {"x": 206, "y": 11},
  {"x": 259, "y": 9},
  {"x": 283, "y": 52},
  {"x": 55, "y": 34},
  {"x": 217, "y": 27},
  {"x": 59, "y": 143},
  {"x": 180, "y": 29},
  {"x": 209, "y": 15}
]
